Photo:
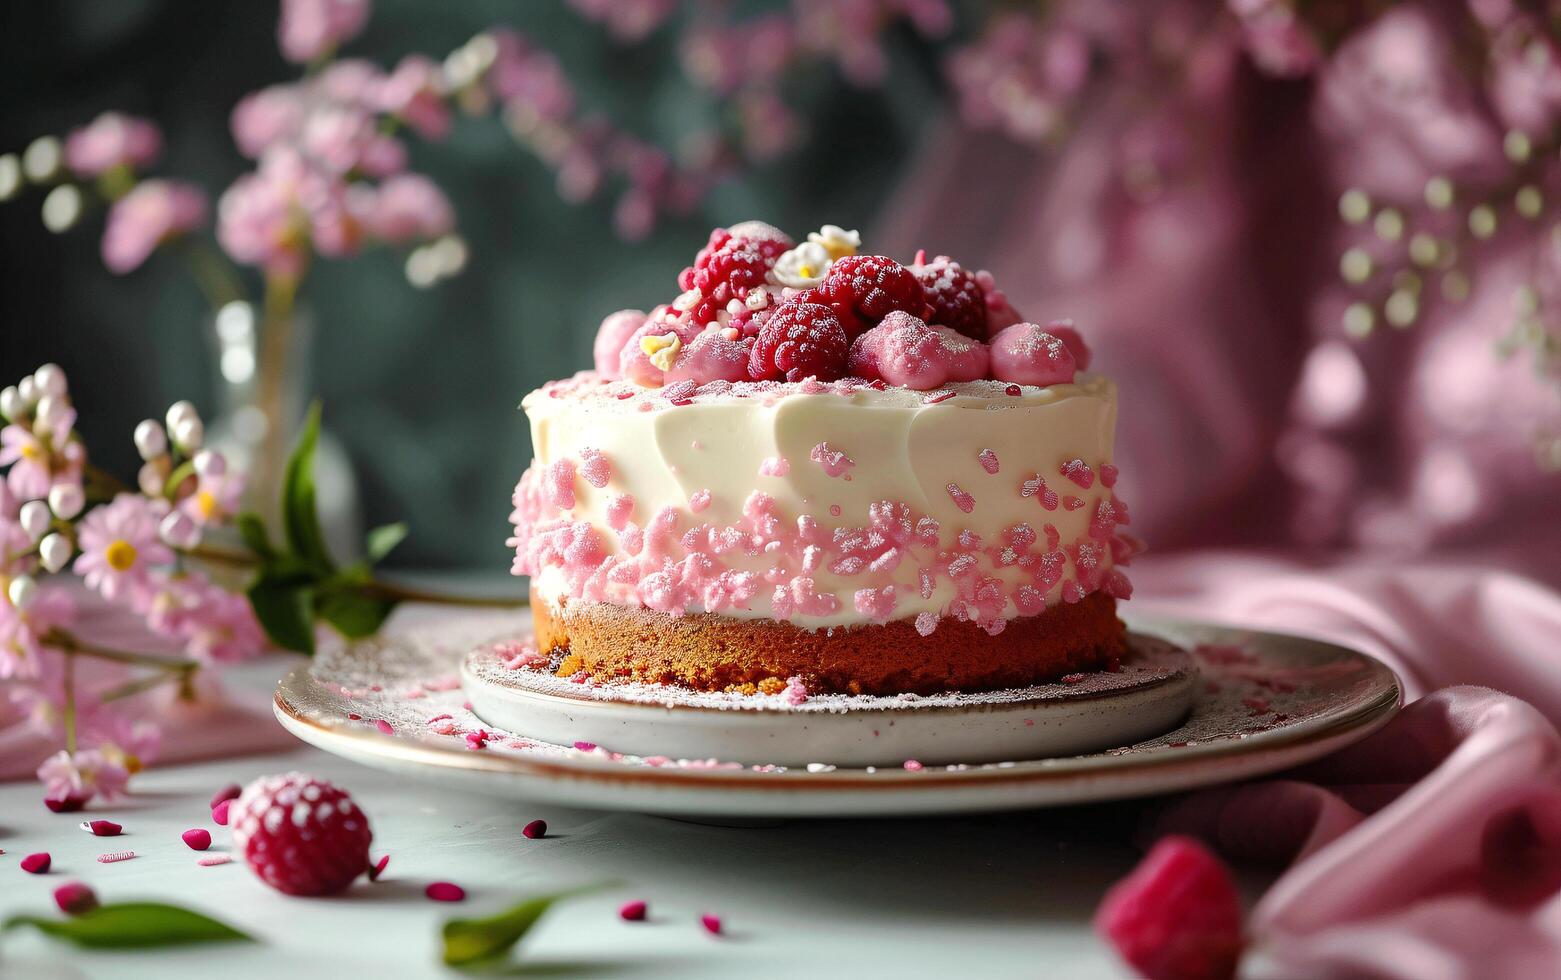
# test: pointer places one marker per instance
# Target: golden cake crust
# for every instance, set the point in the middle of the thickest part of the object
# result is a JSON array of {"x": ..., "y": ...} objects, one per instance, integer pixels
[{"x": 718, "y": 653}]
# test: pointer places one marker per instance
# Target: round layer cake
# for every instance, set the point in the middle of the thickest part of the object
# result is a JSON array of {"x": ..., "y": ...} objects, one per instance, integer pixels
[{"x": 937, "y": 515}]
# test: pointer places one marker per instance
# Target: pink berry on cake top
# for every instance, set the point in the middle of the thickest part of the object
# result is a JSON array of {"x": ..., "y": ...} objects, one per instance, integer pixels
[{"x": 754, "y": 306}]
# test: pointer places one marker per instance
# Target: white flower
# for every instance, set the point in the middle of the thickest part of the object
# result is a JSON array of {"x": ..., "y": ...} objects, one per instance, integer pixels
[
  {"x": 836, "y": 240},
  {"x": 804, "y": 266}
]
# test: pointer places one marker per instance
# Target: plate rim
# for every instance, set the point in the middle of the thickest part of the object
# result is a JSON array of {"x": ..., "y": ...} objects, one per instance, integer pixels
[{"x": 1366, "y": 716}]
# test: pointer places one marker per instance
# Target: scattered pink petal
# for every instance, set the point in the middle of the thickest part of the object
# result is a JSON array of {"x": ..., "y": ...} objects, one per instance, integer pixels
[
  {"x": 384, "y": 727},
  {"x": 219, "y": 813},
  {"x": 67, "y": 804},
  {"x": 37, "y": 864},
  {"x": 75, "y": 898},
  {"x": 213, "y": 860},
  {"x": 712, "y": 924},
  {"x": 101, "y": 828},
  {"x": 198, "y": 838},
  {"x": 1176, "y": 916},
  {"x": 378, "y": 867},
  {"x": 232, "y": 791},
  {"x": 586, "y": 746},
  {"x": 445, "y": 891},
  {"x": 114, "y": 857},
  {"x": 632, "y": 911},
  {"x": 534, "y": 830}
]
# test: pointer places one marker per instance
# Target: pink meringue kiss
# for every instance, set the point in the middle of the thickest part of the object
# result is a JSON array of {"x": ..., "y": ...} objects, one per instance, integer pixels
[
  {"x": 610, "y": 338},
  {"x": 653, "y": 347},
  {"x": 1027, "y": 354},
  {"x": 717, "y": 354},
  {"x": 904, "y": 350}
]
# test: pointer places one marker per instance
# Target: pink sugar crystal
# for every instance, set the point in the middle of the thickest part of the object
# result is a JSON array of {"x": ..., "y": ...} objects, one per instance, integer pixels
[
  {"x": 796, "y": 691},
  {"x": 559, "y": 481},
  {"x": 1117, "y": 586},
  {"x": 911, "y": 765},
  {"x": 618, "y": 509},
  {"x": 1071, "y": 592},
  {"x": 1079, "y": 472},
  {"x": 834, "y": 462},
  {"x": 1072, "y": 503},
  {"x": 988, "y": 460},
  {"x": 114, "y": 857},
  {"x": 876, "y": 604},
  {"x": 1108, "y": 475},
  {"x": 699, "y": 500},
  {"x": 595, "y": 467},
  {"x": 962, "y": 500},
  {"x": 632, "y": 911},
  {"x": 774, "y": 466},
  {"x": 926, "y": 622}
]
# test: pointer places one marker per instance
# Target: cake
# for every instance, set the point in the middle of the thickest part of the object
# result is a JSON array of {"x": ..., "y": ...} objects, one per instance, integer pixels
[{"x": 819, "y": 470}]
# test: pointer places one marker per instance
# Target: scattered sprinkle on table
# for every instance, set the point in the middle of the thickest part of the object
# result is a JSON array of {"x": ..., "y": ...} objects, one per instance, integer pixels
[
  {"x": 113, "y": 857},
  {"x": 198, "y": 838},
  {"x": 712, "y": 924},
  {"x": 101, "y": 828},
  {"x": 212, "y": 860},
  {"x": 37, "y": 864},
  {"x": 534, "y": 830},
  {"x": 632, "y": 911},
  {"x": 445, "y": 891}
]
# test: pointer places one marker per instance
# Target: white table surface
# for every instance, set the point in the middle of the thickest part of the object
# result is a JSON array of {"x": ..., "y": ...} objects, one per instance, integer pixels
[{"x": 1001, "y": 895}]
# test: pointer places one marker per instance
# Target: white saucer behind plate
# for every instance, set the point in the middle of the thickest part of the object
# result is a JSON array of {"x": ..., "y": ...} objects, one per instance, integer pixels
[{"x": 1151, "y": 694}]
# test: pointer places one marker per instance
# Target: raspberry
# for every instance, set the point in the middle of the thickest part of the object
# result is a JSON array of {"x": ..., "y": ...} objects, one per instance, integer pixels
[
  {"x": 728, "y": 274},
  {"x": 956, "y": 296},
  {"x": 798, "y": 340},
  {"x": 765, "y": 239},
  {"x": 301, "y": 835},
  {"x": 871, "y": 287},
  {"x": 1176, "y": 916}
]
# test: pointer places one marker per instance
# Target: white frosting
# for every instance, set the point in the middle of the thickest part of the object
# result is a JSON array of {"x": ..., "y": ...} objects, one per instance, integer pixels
[{"x": 900, "y": 447}]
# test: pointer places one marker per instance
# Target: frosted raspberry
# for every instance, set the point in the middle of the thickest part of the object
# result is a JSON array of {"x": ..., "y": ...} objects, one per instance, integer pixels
[
  {"x": 903, "y": 350},
  {"x": 301, "y": 835},
  {"x": 766, "y": 239},
  {"x": 727, "y": 274},
  {"x": 717, "y": 354},
  {"x": 870, "y": 287},
  {"x": 610, "y": 338},
  {"x": 1027, "y": 354},
  {"x": 1177, "y": 916},
  {"x": 1064, "y": 331},
  {"x": 800, "y": 340},
  {"x": 956, "y": 297}
]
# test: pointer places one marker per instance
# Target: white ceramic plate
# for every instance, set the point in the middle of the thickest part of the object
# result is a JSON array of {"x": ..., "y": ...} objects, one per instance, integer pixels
[{"x": 1265, "y": 702}]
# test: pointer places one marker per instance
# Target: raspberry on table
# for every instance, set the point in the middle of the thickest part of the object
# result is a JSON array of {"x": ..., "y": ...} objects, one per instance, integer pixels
[
  {"x": 799, "y": 340},
  {"x": 957, "y": 299},
  {"x": 301, "y": 835},
  {"x": 870, "y": 287}
]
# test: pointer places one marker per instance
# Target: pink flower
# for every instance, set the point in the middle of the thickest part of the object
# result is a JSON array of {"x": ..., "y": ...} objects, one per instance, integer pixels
[
  {"x": 112, "y": 140},
  {"x": 81, "y": 776},
  {"x": 217, "y": 496},
  {"x": 311, "y": 28},
  {"x": 22, "y": 630},
  {"x": 119, "y": 545},
  {"x": 216, "y": 625},
  {"x": 123, "y": 742},
  {"x": 152, "y": 213},
  {"x": 415, "y": 92},
  {"x": 264, "y": 117},
  {"x": 270, "y": 217},
  {"x": 40, "y": 459},
  {"x": 404, "y": 208}
]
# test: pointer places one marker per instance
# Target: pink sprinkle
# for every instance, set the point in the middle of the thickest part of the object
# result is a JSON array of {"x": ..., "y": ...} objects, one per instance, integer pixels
[
  {"x": 113, "y": 857},
  {"x": 911, "y": 765},
  {"x": 354, "y": 716},
  {"x": 632, "y": 911},
  {"x": 834, "y": 461},
  {"x": 198, "y": 838},
  {"x": 595, "y": 468},
  {"x": 926, "y": 622},
  {"x": 219, "y": 813},
  {"x": 962, "y": 500},
  {"x": 988, "y": 460},
  {"x": 834, "y": 510},
  {"x": 38, "y": 864},
  {"x": 384, "y": 726},
  {"x": 1108, "y": 475},
  {"x": 445, "y": 891},
  {"x": 213, "y": 860},
  {"x": 378, "y": 867},
  {"x": 75, "y": 898},
  {"x": 1071, "y": 502},
  {"x": 101, "y": 828},
  {"x": 774, "y": 466},
  {"x": 796, "y": 691},
  {"x": 232, "y": 791},
  {"x": 586, "y": 746},
  {"x": 1079, "y": 472},
  {"x": 699, "y": 500},
  {"x": 712, "y": 924},
  {"x": 535, "y": 830},
  {"x": 1073, "y": 678}
]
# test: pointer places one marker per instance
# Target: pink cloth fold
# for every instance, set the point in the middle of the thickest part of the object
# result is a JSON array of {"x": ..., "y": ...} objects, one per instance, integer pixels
[{"x": 1432, "y": 849}]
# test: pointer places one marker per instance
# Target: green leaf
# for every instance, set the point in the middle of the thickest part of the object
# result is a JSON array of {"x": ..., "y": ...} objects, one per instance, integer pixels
[
  {"x": 469, "y": 942},
  {"x": 253, "y": 530},
  {"x": 132, "y": 925},
  {"x": 383, "y": 540},
  {"x": 300, "y": 513},
  {"x": 354, "y": 614},
  {"x": 285, "y": 608}
]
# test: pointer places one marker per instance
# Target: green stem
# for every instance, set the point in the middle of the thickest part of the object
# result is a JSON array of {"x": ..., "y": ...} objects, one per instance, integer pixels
[
  {"x": 70, "y": 704},
  {"x": 213, "y": 274},
  {"x": 72, "y": 644},
  {"x": 402, "y": 593},
  {"x": 222, "y": 556}
]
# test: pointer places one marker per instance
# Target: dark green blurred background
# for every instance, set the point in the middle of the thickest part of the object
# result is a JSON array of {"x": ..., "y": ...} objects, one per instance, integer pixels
[{"x": 421, "y": 386}]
